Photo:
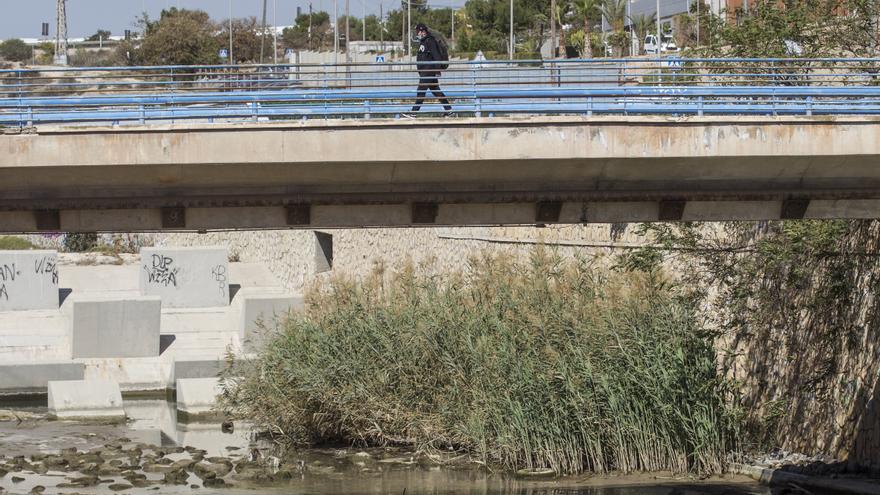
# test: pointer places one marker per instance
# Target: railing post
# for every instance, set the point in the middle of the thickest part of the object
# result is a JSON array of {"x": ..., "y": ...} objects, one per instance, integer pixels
[
  {"x": 143, "y": 116},
  {"x": 367, "y": 109},
  {"x": 809, "y": 106},
  {"x": 700, "y": 105},
  {"x": 30, "y": 116},
  {"x": 20, "y": 96},
  {"x": 254, "y": 110},
  {"x": 477, "y": 112}
]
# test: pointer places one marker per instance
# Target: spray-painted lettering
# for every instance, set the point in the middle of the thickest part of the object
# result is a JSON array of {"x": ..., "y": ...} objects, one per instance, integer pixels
[{"x": 160, "y": 271}]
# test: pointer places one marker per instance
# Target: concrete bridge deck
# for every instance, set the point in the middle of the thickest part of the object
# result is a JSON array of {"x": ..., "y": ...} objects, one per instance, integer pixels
[{"x": 474, "y": 171}]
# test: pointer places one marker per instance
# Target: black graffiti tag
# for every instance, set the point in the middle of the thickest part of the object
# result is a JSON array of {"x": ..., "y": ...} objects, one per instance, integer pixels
[
  {"x": 160, "y": 271},
  {"x": 47, "y": 265},
  {"x": 219, "y": 274},
  {"x": 8, "y": 273}
]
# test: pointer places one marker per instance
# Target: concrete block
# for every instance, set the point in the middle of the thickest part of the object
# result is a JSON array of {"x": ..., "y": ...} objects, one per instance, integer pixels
[
  {"x": 85, "y": 399},
  {"x": 28, "y": 280},
  {"x": 186, "y": 277},
  {"x": 108, "y": 328},
  {"x": 208, "y": 368},
  {"x": 29, "y": 378},
  {"x": 197, "y": 396},
  {"x": 260, "y": 311}
]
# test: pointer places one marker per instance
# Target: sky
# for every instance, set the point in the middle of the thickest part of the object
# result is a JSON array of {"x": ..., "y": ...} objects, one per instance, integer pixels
[{"x": 23, "y": 19}]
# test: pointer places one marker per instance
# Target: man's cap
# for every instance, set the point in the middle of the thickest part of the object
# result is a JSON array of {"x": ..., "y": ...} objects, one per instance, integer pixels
[{"x": 421, "y": 27}]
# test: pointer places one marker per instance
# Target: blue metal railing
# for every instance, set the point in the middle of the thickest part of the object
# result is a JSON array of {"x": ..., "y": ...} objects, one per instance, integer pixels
[{"x": 115, "y": 95}]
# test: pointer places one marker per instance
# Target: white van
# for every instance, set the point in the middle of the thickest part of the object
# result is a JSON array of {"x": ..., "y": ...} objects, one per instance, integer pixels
[{"x": 667, "y": 46}]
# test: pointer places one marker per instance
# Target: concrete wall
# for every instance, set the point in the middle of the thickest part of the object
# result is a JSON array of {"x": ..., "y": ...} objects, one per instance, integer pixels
[
  {"x": 294, "y": 258},
  {"x": 28, "y": 280}
]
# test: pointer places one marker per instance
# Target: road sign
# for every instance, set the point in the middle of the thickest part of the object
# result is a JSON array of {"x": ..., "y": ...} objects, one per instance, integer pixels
[
  {"x": 674, "y": 63},
  {"x": 380, "y": 59},
  {"x": 288, "y": 52},
  {"x": 224, "y": 53}
]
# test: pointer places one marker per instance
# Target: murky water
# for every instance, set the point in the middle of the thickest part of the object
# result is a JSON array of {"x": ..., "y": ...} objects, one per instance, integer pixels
[{"x": 154, "y": 429}]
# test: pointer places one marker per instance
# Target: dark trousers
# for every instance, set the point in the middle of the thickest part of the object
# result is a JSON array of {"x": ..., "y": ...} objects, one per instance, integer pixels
[{"x": 433, "y": 85}]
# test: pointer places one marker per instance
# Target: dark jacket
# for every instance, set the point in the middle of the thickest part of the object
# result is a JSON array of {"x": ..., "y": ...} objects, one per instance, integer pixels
[{"x": 428, "y": 52}]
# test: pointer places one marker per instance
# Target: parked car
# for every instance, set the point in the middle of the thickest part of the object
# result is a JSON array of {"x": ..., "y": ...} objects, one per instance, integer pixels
[{"x": 666, "y": 46}]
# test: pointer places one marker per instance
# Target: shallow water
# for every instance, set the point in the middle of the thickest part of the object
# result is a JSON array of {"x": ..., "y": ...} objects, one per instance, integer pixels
[{"x": 323, "y": 471}]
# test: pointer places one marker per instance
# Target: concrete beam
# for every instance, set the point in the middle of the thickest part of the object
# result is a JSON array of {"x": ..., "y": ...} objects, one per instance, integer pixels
[{"x": 370, "y": 173}]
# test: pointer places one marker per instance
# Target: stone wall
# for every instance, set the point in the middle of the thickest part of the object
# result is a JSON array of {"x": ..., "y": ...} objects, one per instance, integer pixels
[{"x": 296, "y": 257}]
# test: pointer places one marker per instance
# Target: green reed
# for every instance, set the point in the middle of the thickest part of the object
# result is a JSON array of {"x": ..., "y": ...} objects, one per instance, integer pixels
[{"x": 545, "y": 363}]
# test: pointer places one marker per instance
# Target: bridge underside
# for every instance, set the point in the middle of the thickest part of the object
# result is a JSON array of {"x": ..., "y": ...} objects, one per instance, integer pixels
[{"x": 538, "y": 170}]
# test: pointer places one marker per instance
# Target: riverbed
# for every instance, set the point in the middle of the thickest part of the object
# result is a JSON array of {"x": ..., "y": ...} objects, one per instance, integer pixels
[{"x": 153, "y": 452}]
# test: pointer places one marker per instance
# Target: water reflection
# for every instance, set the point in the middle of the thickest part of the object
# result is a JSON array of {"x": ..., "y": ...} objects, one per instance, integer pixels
[{"x": 315, "y": 471}]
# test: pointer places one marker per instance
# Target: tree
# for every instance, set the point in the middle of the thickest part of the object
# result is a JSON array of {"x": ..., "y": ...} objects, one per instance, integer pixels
[
  {"x": 245, "y": 39},
  {"x": 299, "y": 36},
  {"x": 179, "y": 37},
  {"x": 101, "y": 34},
  {"x": 15, "y": 50},
  {"x": 640, "y": 25},
  {"x": 586, "y": 10},
  {"x": 615, "y": 12}
]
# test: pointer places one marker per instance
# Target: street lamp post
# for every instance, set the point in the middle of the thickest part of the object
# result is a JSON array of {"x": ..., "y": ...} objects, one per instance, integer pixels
[
  {"x": 659, "y": 42},
  {"x": 409, "y": 28},
  {"x": 335, "y": 32},
  {"x": 275, "y": 30},
  {"x": 231, "y": 59},
  {"x": 511, "y": 29}
]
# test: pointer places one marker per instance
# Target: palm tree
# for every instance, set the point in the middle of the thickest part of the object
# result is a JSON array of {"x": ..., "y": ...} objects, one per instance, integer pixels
[
  {"x": 585, "y": 9},
  {"x": 615, "y": 12},
  {"x": 640, "y": 25}
]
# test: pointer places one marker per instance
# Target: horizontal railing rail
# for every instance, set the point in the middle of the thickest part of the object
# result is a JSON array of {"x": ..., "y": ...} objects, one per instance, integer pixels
[{"x": 669, "y": 85}]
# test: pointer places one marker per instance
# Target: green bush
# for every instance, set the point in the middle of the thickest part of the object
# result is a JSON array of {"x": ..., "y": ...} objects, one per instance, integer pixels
[
  {"x": 9, "y": 242},
  {"x": 15, "y": 50},
  {"x": 549, "y": 363},
  {"x": 80, "y": 242}
]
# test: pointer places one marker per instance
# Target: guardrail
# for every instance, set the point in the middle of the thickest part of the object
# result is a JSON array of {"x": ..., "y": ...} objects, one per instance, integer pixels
[{"x": 670, "y": 85}]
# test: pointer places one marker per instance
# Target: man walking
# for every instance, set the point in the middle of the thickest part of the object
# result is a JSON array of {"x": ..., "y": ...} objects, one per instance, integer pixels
[{"x": 429, "y": 51}]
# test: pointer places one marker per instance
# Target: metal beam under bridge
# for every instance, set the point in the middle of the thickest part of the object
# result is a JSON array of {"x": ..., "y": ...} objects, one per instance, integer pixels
[{"x": 386, "y": 173}]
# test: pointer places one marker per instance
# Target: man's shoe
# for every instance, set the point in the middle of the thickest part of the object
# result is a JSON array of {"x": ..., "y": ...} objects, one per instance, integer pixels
[
  {"x": 408, "y": 116},
  {"x": 448, "y": 114}
]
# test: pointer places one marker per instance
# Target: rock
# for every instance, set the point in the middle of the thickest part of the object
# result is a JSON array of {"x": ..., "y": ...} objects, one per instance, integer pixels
[
  {"x": 361, "y": 455},
  {"x": 118, "y": 487},
  {"x": 108, "y": 470},
  {"x": 38, "y": 490},
  {"x": 227, "y": 426},
  {"x": 212, "y": 470},
  {"x": 84, "y": 481},
  {"x": 3, "y": 472},
  {"x": 39, "y": 468},
  {"x": 215, "y": 483},
  {"x": 194, "y": 487},
  {"x": 183, "y": 464},
  {"x": 536, "y": 472},
  {"x": 17, "y": 479},
  {"x": 176, "y": 477},
  {"x": 150, "y": 467}
]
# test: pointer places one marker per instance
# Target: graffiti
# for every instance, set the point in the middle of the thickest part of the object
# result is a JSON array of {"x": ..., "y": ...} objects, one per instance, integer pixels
[
  {"x": 3, "y": 293},
  {"x": 219, "y": 274},
  {"x": 8, "y": 273},
  {"x": 160, "y": 271},
  {"x": 47, "y": 266}
]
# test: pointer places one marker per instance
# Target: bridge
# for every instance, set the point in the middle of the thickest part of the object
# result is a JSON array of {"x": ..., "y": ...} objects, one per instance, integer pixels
[{"x": 204, "y": 148}]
